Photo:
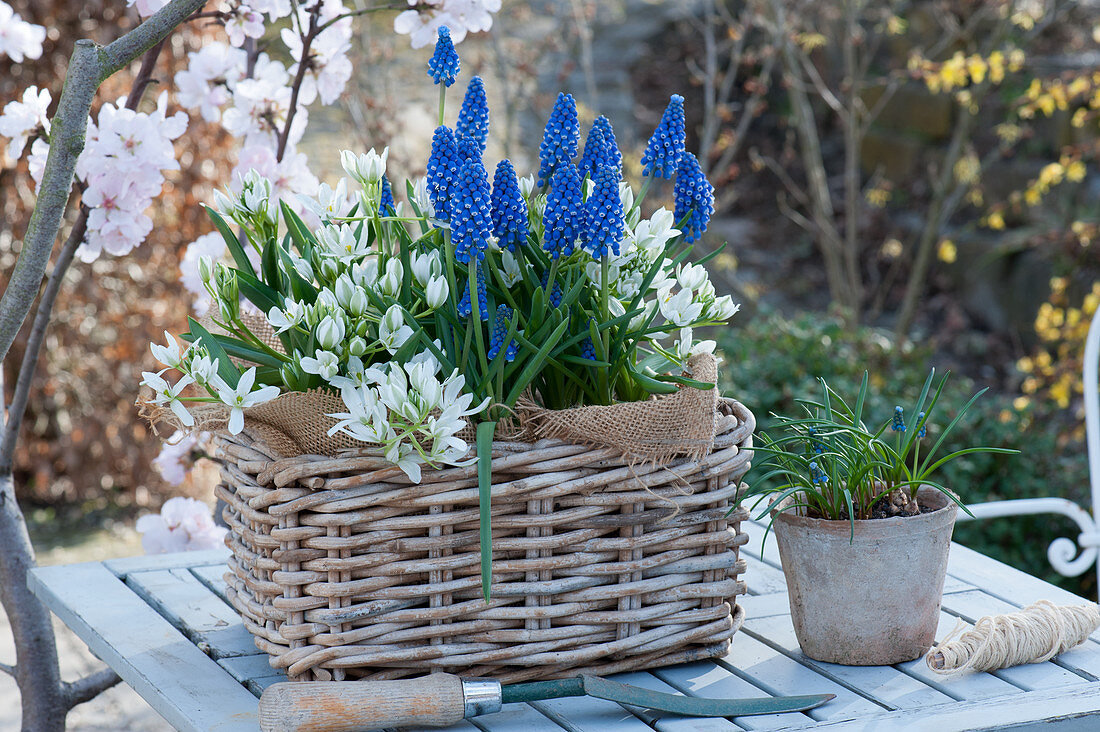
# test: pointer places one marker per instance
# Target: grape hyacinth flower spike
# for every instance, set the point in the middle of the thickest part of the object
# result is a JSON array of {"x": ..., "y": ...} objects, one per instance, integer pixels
[
  {"x": 465, "y": 307},
  {"x": 600, "y": 149},
  {"x": 604, "y": 223},
  {"x": 471, "y": 220},
  {"x": 666, "y": 145},
  {"x": 444, "y": 64},
  {"x": 561, "y": 137},
  {"x": 473, "y": 118},
  {"x": 500, "y": 331},
  {"x": 564, "y": 214},
  {"x": 509, "y": 208},
  {"x": 694, "y": 198},
  {"x": 386, "y": 206},
  {"x": 897, "y": 422},
  {"x": 442, "y": 170}
]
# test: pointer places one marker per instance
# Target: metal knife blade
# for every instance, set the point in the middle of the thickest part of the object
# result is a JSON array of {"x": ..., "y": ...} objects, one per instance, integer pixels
[{"x": 698, "y": 706}]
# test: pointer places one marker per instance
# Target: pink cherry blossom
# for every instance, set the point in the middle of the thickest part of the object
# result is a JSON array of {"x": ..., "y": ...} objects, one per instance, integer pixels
[
  {"x": 145, "y": 8},
  {"x": 243, "y": 23},
  {"x": 205, "y": 83},
  {"x": 174, "y": 462},
  {"x": 20, "y": 119},
  {"x": 460, "y": 17},
  {"x": 183, "y": 524},
  {"x": 19, "y": 39}
]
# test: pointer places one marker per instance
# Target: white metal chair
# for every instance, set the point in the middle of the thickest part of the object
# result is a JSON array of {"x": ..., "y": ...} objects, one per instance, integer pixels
[{"x": 1068, "y": 558}]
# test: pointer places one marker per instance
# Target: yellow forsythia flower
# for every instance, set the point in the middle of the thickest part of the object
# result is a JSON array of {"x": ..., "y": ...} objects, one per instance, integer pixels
[{"x": 947, "y": 251}]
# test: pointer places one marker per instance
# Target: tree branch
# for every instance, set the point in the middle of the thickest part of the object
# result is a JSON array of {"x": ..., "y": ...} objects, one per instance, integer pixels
[
  {"x": 42, "y": 318},
  {"x": 8, "y": 669},
  {"x": 44, "y": 313},
  {"x": 89, "y": 66},
  {"x": 118, "y": 54},
  {"x": 303, "y": 66},
  {"x": 88, "y": 688}
]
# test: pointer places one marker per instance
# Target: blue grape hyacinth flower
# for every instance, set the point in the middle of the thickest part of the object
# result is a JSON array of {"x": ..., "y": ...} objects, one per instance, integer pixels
[
  {"x": 386, "y": 205},
  {"x": 600, "y": 149},
  {"x": 555, "y": 292},
  {"x": 500, "y": 331},
  {"x": 561, "y": 137},
  {"x": 465, "y": 307},
  {"x": 468, "y": 149},
  {"x": 897, "y": 422},
  {"x": 564, "y": 215},
  {"x": 693, "y": 195},
  {"x": 473, "y": 118},
  {"x": 471, "y": 218},
  {"x": 443, "y": 166},
  {"x": 604, "y": 223},
  {"x": 923, "y": 427},
  {"x": 509, "y": 208},
  {"x": 444, "y": 64},
  {"x": 588, "y": 351},
  {"x": 666, "y": 145}
]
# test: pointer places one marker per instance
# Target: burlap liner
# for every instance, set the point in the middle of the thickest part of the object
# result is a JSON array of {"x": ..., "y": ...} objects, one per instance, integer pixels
[{"x": 655, "y": 430}]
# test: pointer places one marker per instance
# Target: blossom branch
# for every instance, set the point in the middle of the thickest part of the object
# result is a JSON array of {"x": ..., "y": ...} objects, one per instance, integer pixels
[
  {"x": 89, "y": 66},
  {"x": 303, "y": 67},
  {"x": 44, "y": 312}
]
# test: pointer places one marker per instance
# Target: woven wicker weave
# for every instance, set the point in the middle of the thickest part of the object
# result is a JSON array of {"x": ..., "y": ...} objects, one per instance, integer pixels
[{"x": 342, "y": 568}]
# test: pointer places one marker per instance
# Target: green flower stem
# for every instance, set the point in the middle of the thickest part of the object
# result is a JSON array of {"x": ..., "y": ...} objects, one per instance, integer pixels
[
  {"x": 552, "y": 277},
  {"x": 442, "y": 101},
  {"x": 475, "y": 315},
  {"x": 605, "y": 316},
  {"x": 641, "y": 195}
]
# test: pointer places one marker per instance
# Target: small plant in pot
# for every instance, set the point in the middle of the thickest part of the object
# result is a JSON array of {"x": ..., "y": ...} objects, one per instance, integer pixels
[{"x": 863, "y": 528}]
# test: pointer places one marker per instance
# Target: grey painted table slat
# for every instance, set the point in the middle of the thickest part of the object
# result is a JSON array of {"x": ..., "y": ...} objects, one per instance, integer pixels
[{"x": 162, "y": 622}]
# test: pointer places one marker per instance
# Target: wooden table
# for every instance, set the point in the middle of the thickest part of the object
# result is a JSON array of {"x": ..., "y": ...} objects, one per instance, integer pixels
[{"x": 161, "y": 622}]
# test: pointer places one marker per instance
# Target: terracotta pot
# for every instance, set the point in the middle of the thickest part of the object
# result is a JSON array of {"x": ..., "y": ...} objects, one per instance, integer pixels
[{"x": 872, "y": 600}]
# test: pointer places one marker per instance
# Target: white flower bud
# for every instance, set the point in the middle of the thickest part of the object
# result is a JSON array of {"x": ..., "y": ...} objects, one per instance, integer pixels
[
  {"x": 426, "y": 267},
  {"x": 526, "y": 186},
  {"x": 723, "y": 308},
  {"x": 365, "y": 273},
  {"x": 303, "y": 269},
  {"x": 358, "y": 303},
  {"x": 206, "y": 268},
  {"x": 437, "y": 292},
  {"x": 357, "y": 346},
  {"x": 367, "y": 168},
  {"x": 691, "y": 276},
  {"x": 344, "y": 289},
  {"x": 390, "y": 283},
  {"x": 330, "y": 333}
]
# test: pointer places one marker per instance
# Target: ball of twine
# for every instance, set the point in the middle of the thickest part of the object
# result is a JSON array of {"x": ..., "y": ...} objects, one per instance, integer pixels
[{"x": 1035, "y": 634}]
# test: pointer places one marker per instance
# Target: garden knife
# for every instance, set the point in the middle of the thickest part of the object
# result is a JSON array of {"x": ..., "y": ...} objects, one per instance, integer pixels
[{"x": 439, "y": 700}]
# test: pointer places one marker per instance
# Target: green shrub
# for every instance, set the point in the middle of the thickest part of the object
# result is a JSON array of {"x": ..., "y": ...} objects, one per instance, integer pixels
[{"x": 774, "y": 360}]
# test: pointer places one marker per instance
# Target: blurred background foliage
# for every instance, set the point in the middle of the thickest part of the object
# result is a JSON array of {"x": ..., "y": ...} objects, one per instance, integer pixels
[{"x": 902, "y": 184}]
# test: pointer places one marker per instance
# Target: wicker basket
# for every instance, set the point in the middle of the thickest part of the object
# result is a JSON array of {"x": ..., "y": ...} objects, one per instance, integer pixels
[{"x": 342, "y": 568}]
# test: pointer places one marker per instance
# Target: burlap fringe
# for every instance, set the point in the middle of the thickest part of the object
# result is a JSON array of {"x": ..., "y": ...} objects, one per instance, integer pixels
[{"x": 653, "y": 431}]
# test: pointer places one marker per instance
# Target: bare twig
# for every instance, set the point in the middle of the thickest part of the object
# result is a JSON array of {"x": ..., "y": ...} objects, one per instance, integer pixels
[
  {"x": 89, "y": 687},
  {"x": 9, "y": 670}
]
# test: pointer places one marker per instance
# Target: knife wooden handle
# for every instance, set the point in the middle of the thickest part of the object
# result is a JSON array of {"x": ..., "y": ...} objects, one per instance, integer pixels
[{"x": 435, "y": 700}]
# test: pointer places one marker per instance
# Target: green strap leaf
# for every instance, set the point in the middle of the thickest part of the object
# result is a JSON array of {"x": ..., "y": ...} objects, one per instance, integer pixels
[
  {"x": 485, "y": 432},
  {"x": 229, "y": 373},
  {"x": 231, "y": 241}
]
